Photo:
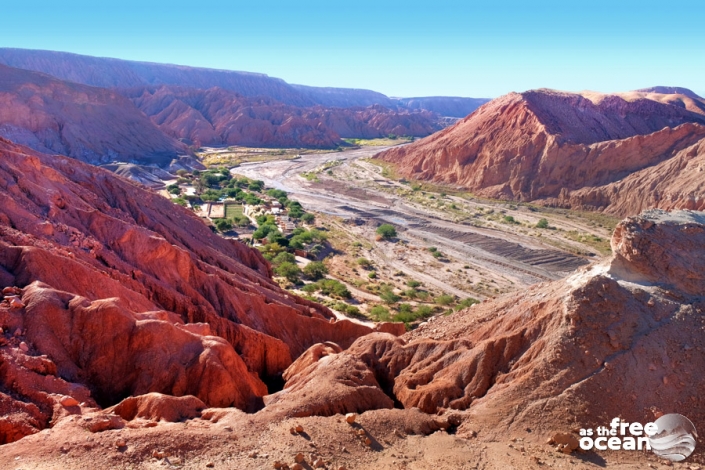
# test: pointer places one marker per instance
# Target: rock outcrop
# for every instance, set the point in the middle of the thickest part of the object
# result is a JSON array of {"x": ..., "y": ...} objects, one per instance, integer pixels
[
  {"x": 619, "y": 339},
  {"x": 112, "y": 291},
  {"x": 158, "y": 407},
  {"x": 548, "y": 146},
  {"x": 90, "y": 124}
]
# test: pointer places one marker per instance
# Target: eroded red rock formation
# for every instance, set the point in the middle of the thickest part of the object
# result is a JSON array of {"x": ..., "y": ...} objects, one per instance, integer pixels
[
  {"x": 569, "y": 149},
  {"x": 91, "y": 124},
  {"x": 216, "y": 116},
  {"x": 619, "y": 339},
  {"x": 122, "y": 293}
]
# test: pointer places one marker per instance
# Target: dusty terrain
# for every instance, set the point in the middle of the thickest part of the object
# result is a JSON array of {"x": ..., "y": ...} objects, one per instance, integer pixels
[
  {"x": 112, "y": 274},
  {"x": 483, "y": 255},
  {"x": 483, "y": 388},
  {"x": 569, "y": 149}
]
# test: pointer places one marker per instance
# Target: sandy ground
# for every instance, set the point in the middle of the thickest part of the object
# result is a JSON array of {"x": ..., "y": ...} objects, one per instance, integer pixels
[{"x": 230, "y": 439}]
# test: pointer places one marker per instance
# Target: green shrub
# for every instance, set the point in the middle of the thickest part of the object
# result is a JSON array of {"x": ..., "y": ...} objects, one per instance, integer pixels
[
  {"x": 284, "y": 257},
  {"x": 386, "y": 231},
  {"x": 210, "y": 180},
  {"x": 388, "y": 296},
  {"x": 275, "y": 236},
  {"x": 347, "y": 309},
  {"x": 264, "y": 230},
  {"x": 543, "y": 223},
  {"x": 411, "y": 293},
  {"x": 424, "y": 311},
  {"x": 465, "y": 303},
  {"x": 405, "y": 308},
  {"x": 364, "y": 262},
  {"x": 445, "y": 299},
  {"x": 223, "y": 225},
  {"x": 379, "y": 313},
  {"x": 330, "y": 287},
  {"x": 288, "y": 270},
  {"x": 256, "y": 186},
  {"x": 277, "y": 193},
  {"x": 318, "y": 236},
  {"x": 315, "y": 270}
]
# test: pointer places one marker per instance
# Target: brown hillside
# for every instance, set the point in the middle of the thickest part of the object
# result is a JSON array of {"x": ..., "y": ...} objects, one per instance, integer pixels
[
  {"x": 542, "y": 144},
  {"x": 217, "y": 116}
]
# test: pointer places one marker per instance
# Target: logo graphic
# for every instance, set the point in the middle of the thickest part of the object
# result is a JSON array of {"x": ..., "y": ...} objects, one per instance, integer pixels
[
  {"x": 671, "y": 437},
  {"x": 675, "y": 438}
]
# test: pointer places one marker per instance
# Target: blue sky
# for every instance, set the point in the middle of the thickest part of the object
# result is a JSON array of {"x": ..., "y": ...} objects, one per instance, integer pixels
[{"x": 400, "y": 48}]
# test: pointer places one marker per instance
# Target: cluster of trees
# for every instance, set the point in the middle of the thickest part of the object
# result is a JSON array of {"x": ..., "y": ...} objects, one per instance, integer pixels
[
  {"x": 216, "y": 184},
  {"x": 300, "y": 238},
  {"x": 285, "y": 266},
  {"x": 329, "y": 287}
]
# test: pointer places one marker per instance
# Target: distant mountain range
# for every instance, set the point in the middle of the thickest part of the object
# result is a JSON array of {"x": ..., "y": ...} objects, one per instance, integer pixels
[
  {"x": 92, "y": 124},
  {"x": 619, "y": 152},
  {"x": 116, "y": 73},
  {"x": 101, "y": 110},
  {"x": 220, "y": 117}
]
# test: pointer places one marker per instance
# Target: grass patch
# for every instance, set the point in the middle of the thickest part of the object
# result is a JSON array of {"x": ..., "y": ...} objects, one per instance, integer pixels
[
  {"x": 233, "y": 210},
  {"x": 234, "y": 155},
  {"x": 599, "y": 243},
  {"x": 380, "y": 142}
]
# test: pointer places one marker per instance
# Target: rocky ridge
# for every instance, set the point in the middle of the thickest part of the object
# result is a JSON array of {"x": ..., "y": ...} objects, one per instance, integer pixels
[
  {"x": 566, "y": 149},
  {"x": 627, "y": 332},
  {"x": 116, "y": 73}
]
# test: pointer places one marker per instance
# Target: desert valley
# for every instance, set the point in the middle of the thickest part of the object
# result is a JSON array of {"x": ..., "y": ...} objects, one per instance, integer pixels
[{"x": 204, "y": 268}]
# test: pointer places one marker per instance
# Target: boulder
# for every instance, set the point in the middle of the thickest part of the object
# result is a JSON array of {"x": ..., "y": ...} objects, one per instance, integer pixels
[{"x": 158, "y": 407}]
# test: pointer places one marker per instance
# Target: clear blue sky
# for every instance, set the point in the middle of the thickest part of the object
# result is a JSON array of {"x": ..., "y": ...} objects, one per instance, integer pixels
[{"x": 400, "y": 48}]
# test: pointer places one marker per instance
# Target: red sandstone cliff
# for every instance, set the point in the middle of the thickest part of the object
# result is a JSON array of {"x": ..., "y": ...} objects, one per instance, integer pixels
[{"x": 543, "y": 144}]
